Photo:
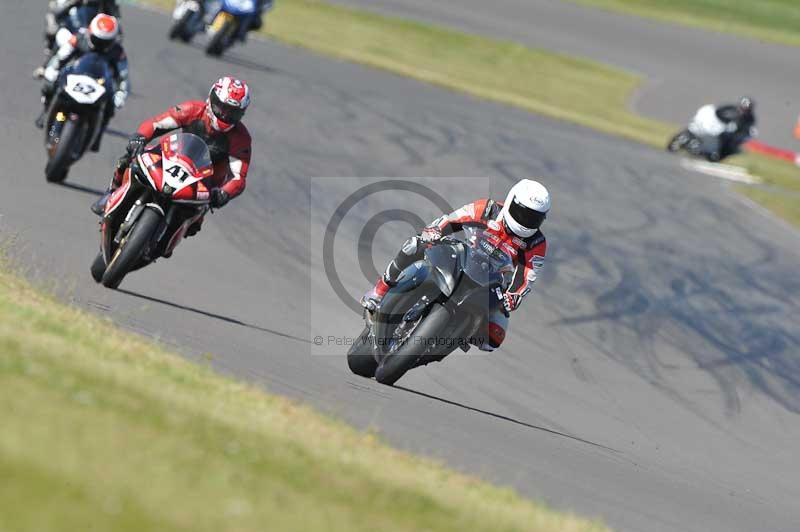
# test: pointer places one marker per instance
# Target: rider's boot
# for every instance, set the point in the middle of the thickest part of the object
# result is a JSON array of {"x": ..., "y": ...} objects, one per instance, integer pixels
[
  {"x": 194, "y": 228},
  {"x": 39, "y": 122},
  {"x": 372, "y": 299}
]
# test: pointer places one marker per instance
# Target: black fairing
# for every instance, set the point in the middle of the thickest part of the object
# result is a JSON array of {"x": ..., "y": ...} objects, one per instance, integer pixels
[
  {"x": 439, "y": 278},
  {"x": 94, "y": 66}
]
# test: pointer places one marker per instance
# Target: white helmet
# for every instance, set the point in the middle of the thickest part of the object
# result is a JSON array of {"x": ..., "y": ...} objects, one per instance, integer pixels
[{"x": 525, "y": 208}]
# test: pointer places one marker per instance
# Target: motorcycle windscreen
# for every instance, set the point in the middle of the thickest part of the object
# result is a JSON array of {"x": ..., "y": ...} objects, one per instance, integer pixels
[
  {"x": 94, "y": 66},
  {"x": 488, "y": 266},
  {"x": 444, "y": 261},
  {"x": 189, "y": 154}
]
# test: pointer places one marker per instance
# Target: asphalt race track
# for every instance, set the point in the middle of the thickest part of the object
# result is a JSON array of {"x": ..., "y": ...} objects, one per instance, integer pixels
[
  {"x": 683, "y": 67},
  {"x": 652, "y": 378}
]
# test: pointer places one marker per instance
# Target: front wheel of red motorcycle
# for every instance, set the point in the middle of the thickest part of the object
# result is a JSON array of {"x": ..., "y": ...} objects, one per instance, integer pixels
[{"x": 130, "y": 250}]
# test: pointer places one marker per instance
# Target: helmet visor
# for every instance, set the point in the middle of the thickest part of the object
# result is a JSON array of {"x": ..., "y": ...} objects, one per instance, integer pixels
[
  {"x": 101, "y": 45},
  {"x": 525, "y": 216},
  {"x": 225, "y": 112}
]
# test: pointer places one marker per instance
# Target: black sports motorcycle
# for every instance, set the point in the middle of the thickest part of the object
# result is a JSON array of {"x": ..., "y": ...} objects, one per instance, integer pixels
[
  {"x": 439, "y": 304},
  {"x": 76, "y": 111}
]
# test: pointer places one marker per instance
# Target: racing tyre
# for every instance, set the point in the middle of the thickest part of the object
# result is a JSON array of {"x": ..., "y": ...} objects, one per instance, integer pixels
[
  {"x": 178, "y": 29},
  {"x": 58, "y": 165},
  {"x": 130, "y": 250},
  {"x": 360, "y": 358},
  {"x": 396, "y": 364},
  {"x": 218, "y": 41},
  {"x": 98, "y": 267}
]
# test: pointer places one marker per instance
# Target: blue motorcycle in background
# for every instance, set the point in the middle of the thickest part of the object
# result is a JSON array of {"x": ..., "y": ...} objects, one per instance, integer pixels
[{"x": 228, "y": 21}]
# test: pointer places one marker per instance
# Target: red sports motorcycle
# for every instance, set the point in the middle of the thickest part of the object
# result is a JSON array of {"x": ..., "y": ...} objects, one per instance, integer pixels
[{"x": 161, "y": 196}]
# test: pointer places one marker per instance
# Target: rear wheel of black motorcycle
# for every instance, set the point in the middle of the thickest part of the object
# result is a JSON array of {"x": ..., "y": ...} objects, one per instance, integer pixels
[
  {"x": 58, "y": 165},
  {"x": 360, "y": 358},
  {"x": 427, "y": 334},
  {"x": 98, "y": 267},
  {"x": 131, "y": 248}
]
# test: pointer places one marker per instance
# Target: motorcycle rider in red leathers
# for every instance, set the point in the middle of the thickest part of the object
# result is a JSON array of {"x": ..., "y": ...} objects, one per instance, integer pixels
[
  {"x": 218, "y": 122},
  {"x": 512, "y": 226}
]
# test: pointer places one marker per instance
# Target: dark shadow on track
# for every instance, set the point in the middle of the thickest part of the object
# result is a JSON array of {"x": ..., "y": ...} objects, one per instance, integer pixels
[
  {"x": 83, "y": 188},
  {"x": 220, "y": 317},
  {"x": 505, "y": 418},
  {"x": 239, "y": 61},
  {"x": 117, "y": 133}
]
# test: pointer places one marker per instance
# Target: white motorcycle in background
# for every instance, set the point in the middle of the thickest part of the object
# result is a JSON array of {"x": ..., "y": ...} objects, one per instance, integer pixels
[
  {"x": 187, "y": 20},
  {"x": 709, "y": 137}
]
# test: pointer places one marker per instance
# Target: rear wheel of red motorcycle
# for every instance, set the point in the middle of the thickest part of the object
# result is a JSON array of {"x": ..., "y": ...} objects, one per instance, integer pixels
[{"x": 131, "y": 248}]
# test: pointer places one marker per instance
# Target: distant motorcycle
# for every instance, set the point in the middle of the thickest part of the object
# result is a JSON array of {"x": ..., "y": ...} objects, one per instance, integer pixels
[
  {"x": 709, "y": 137},
  {"x": 439, "y": 304},
  {"x": 75, "y": 114},
  {"x": 187, "y": 20},
  {"x": 161, "y": 196},
  {"x": 230, "y": 23}
]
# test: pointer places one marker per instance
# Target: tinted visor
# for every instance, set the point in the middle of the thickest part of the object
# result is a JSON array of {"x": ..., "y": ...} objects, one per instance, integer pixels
[
  {"x": 101, "y": 45},
  {"x": 227, "y": 113},
  {"x": 526, "y": 217}
]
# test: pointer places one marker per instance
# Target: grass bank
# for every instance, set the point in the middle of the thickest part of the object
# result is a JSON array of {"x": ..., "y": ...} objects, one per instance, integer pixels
[
  {"x": 555, "y": 85},
  {"x": 102, "y": 430},
  {"x": 769, "y": 20}
]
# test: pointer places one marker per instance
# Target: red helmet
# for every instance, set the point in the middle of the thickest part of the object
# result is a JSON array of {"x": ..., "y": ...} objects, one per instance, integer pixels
[
  {"x": 227, "y": 102},
  {"x": 103, "y": 32}
]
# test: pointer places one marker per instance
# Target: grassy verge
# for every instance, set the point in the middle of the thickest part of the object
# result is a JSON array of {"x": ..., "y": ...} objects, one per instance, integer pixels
[
  {"x": 780, "y": 192},
  {"x": 104, "y": 431},
  {"x": 555, "y": 85},
  {"x": 768, "y": 20}
]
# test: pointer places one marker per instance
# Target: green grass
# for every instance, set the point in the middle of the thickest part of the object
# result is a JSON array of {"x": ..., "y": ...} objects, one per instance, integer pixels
[
  {"x": 102, "y": 430},
  {"x": 780, "y": 192},
  {"x": 559, "y": 86},
  {"x": 768, "y": 20}
]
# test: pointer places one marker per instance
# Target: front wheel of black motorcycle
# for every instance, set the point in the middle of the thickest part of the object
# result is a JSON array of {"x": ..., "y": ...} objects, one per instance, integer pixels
[
  {"x": 58, "y": 165},
  {"x": 131, "y": 248},
  {"x": 360, "y": 359},
  {"x": 426, "y": 335}
]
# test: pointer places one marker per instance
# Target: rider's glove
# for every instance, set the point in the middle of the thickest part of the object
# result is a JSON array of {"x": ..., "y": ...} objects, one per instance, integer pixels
[
  {"x": 120, "y": 97},
  {"x": 51, "y": 74},
  {"x": 219, "y": 198},
  {"x": 430, "y": 234},
  {"x": 510, "y": 302},
  {"x": 136, "y": 145}
]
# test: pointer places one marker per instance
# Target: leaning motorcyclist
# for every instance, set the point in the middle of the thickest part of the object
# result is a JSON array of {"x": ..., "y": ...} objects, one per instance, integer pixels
[
  {"x": 102, "y": 38},
  {"x": 740, "y": 124},
  {"x": 58, "y": 15},
  {"x": 513, "y": 225},
  {"x": 731, "y": 124},
  {"x": 218, "y": 122},
  {"x": 262, "y": 6}
]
